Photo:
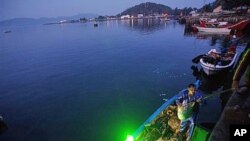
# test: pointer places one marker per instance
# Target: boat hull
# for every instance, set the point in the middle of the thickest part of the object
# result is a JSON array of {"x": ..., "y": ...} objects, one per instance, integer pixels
[
  {"x": 213, "y": 30},
  {"x": 211, "y": 70}
]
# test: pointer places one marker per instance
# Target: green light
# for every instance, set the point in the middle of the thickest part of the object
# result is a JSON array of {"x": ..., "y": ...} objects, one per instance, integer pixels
[{"x": 130, "y": 138}]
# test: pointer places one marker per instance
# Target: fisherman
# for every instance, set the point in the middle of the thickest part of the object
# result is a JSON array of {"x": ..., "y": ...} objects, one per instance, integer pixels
[
  {"x": 243, "y": 69},
  {"x": 188, "y": 107}
]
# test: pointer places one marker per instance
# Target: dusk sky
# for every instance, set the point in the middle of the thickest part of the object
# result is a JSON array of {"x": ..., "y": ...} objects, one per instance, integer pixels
[{"x": 52, "y": 8}]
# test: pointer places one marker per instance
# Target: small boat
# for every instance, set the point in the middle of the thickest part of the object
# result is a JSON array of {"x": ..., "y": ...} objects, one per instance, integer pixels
[
  {"x": 95, "y": 24},
  {"x": 222, "y": 30},
  {"x": 220, "y": 27},
  {"x": 158, "y": 126},
  {"x": 208, "y": 25},
  {"x": 213, "y": 22},
  {"x": 7, "y": 31},
  {"x": 214, "y": 62}
]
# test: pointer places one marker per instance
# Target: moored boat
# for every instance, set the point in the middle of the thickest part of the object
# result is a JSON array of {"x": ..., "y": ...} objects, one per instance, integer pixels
[
  {"x": 215, "y": 62},
  {"x": 223, "y": 30},
  {"x": 220, "y": 27},
  {"x": 7, "y": 31},
  {"x": 95, "y": 24}
]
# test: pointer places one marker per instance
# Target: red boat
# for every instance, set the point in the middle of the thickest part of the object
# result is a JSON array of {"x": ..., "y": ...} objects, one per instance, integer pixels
[{"x": 215, "y": 28}]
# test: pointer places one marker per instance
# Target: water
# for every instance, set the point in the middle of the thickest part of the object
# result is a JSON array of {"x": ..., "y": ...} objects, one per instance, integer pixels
[{"x": 74, "y": 82}]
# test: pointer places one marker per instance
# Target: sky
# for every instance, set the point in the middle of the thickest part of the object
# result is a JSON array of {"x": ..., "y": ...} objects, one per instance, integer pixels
[{"x": 53, "y": 8}]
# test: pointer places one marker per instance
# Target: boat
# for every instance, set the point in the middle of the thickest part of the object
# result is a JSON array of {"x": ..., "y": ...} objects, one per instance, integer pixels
[
  {"x": 240, "y": 25},
  {"x": 213, "y": 21},
  {"x": 208, "y": 25},
  {"x": 95, "y": 24},
  {"x": 7, "y": 31},
  {"x": 222, "y": 30},
  {"x": 158, "y": 127},
  {"x": 214, "y": 26},
  {"x": 214, "y": 62}
]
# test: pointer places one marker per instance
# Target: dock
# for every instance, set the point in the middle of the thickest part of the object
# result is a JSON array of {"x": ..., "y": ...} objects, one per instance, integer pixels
[
  {"x": 230, "y": 18},
  {"x": 236, "y": 111}
]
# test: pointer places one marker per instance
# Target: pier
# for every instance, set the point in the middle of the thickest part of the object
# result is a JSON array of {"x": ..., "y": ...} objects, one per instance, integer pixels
[{"x": 230, "y": 18}]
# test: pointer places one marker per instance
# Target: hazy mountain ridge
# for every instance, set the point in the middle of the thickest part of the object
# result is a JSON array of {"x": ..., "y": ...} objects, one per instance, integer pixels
[{"x": 43, "y": 20}]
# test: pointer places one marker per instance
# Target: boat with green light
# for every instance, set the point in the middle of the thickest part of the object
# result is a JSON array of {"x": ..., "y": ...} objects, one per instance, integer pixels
[{"x": 163, "y": 125}]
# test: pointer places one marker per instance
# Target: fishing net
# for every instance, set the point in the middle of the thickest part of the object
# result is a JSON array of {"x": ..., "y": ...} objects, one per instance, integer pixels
[{"x": 164, "y": 127}]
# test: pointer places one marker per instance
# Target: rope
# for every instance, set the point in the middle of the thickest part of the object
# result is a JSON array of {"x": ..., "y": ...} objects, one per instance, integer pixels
[{"x": 211, "y": 95}]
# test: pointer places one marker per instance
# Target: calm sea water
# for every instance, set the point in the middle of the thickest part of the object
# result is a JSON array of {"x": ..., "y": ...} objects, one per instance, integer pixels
[{"x": 74, "y": 82}]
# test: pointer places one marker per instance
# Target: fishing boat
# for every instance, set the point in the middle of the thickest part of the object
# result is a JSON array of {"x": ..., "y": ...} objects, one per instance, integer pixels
[
  {"x": 214, "y": 62},
  {"x": 95, "y": 24},
  {"x": 220, "y": 27},
  {"x": 213, "y": 22},
  {"x": 7, "y": 31},
  {"x": 163, "y": 124},
  {"x": 212, "y": 26},
  {"x": 222, "y": 30}
]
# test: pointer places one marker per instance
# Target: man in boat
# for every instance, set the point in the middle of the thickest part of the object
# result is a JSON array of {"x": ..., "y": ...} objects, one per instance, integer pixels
[
  {"x": 188, "y": 107},
  {"x": 243, "y": 69}
]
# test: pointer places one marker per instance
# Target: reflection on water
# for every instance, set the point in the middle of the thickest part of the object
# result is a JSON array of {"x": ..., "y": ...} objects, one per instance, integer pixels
[
  {"x": 215, "y": 83},
  {"x": 147, "y": 25},
  {"x": 144, "y": 26},
  {"x": 212, "y": 82}
]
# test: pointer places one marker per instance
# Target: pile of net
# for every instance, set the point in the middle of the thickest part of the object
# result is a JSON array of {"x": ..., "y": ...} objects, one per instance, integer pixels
[{"x": 165, "y": 127}]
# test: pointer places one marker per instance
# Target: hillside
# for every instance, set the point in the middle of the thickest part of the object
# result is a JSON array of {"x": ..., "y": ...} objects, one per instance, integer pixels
[
  {"x": 31, "y": 21},
  {"x": 226, "y": 4},
  {"x": 229, "y": 4},
  {"x": 147, "y": 9}
]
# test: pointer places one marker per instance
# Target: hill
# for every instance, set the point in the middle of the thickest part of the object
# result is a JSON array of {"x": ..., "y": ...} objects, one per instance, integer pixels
[
  {"x": 31, "y": 21},
  {"x": 226, "y": 5},
  {"x": 147, "y": 9},
  {"x": 229, "y": 4}
]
